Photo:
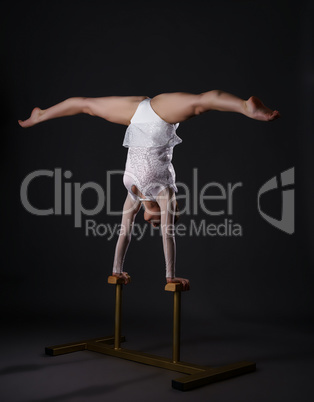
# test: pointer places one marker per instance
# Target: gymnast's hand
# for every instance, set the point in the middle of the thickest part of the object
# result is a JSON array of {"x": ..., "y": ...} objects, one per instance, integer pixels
[
  {"x": 185, "y": 282},
  {"x": 123, "y": 275}
]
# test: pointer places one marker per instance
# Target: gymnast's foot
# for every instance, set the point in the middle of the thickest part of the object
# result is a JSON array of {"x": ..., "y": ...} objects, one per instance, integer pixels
[
  {"x": 123, "y": 275},
  {"x": 34, "y": 119},
  {"x": 185, "y": 282},
  {"x": 255, "y": 109}
]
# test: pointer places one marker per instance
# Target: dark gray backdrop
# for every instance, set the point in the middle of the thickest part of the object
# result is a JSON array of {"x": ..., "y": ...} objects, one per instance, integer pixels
[{"x": 55, "y": 50}]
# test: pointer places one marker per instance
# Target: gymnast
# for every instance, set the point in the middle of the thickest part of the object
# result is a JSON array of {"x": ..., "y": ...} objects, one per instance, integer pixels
[{"x": 150, "y": 137}]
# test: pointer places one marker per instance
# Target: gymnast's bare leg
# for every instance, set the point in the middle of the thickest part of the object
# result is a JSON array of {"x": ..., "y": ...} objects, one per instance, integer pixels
[
  {"x": 179, "y": 106},
  {"x": 172, "y": 107},
  {"x": 116, "y": 109}
]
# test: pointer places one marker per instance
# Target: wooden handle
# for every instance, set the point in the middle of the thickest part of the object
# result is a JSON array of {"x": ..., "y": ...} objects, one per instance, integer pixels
[
  {"x": 114, "y": 280},
  {"x": 174, "y": 287}
]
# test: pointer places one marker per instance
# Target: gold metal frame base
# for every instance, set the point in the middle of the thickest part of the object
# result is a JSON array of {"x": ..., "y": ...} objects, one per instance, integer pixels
[
  {"x": 197, "y": 375},
  {"x": 111, "y": 345}
]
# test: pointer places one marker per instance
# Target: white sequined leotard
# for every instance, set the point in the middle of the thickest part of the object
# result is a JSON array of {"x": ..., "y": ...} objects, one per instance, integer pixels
[{"x": 150, "y": 141}]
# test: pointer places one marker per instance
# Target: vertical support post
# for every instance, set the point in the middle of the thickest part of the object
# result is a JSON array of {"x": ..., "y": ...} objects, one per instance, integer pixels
[
  {"x": 114, "y": 280},
  {"x": 176, "y": 326},
  {"x": 117, "y": 323},
  {"x": 176, "y": 288}
]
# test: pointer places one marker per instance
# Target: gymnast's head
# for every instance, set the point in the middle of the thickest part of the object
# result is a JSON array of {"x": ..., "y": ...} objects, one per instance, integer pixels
[{"x": 152, "y": 213}]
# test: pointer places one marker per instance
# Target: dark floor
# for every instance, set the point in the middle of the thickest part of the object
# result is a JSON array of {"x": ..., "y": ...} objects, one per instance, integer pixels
[{"x": 282, "y": 350}]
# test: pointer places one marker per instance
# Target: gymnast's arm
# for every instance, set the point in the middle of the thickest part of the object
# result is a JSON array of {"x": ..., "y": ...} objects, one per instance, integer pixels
[
  {"x": 130, "y": 210},
  {"x": 167, "y": 203}
]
